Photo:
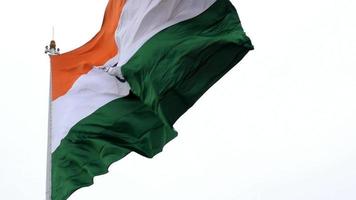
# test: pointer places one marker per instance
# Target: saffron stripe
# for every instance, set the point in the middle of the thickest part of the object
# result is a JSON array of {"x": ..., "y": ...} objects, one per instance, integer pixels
[{"x": 68, "y": 67}]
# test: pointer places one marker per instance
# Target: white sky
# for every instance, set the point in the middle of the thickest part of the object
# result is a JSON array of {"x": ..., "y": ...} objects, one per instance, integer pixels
[{"x": 280, "y": 126}]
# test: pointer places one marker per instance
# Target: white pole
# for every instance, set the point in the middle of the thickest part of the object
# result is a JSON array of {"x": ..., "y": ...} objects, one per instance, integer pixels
[
  {"x": 51, "y": 51},
  {"x": 49, "y": 141}
]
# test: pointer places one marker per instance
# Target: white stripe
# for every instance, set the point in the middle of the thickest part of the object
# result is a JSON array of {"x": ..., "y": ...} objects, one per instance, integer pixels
[
  {"x": 142, "y": 19},
  {"x": 90, "y": 92}
]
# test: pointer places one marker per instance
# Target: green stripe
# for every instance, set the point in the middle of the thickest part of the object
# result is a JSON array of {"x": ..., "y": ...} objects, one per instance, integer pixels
[
  {"x": 174, "y": 68},
  {"x": 109, "y": 134}
]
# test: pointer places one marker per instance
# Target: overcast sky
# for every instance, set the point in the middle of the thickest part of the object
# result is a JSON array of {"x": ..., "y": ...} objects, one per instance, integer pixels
[{"x": 280, "y": 126}]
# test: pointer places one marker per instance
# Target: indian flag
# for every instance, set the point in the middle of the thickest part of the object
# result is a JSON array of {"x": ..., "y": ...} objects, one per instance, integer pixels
[{"x": 123, "y": 90}]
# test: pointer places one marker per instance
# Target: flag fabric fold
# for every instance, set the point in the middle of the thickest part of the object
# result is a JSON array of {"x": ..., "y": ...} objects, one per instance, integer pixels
[
  {"x": 123, "y": 90},
  {"x": 177, "y": 65}
]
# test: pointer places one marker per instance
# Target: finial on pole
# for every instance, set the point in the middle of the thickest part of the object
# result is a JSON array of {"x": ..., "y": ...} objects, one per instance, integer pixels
[
  {"x": 52, "y": 32},
  {"x": 52, "y": 50}
]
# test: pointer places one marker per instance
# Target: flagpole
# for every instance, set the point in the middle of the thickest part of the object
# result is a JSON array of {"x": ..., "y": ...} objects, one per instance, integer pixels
[{"x": 51, "y": 51}]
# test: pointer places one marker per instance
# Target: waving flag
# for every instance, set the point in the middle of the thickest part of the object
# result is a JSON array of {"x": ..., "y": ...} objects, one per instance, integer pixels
[{"x": 124, "y": 89}]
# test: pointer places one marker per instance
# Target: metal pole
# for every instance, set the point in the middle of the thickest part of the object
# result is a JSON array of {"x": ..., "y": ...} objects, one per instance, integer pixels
[
  {"x": 49, "y": 141},
  {"x": 51, "y": 51}
]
